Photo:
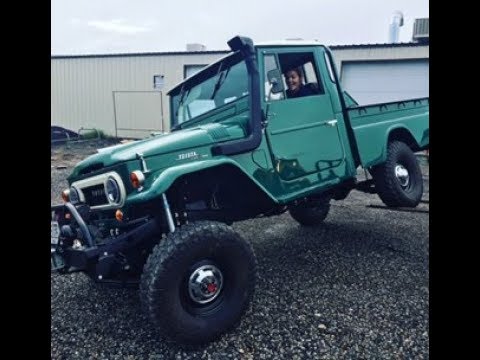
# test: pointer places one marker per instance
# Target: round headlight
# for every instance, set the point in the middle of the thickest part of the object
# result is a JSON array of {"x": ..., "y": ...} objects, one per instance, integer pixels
[
  {"x": 74, "y": 196},
  {"x": 113, "y": 191}
]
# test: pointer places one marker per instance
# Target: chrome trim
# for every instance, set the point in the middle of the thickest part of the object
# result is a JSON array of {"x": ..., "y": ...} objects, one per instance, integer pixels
[
  {"x": 113, "y": 183},
  {"x": 143, "y": 163},
  {"x": 199, "y": 281},
  {"x": 102, "y": 179},
  {"x": 402, "y": 175}
]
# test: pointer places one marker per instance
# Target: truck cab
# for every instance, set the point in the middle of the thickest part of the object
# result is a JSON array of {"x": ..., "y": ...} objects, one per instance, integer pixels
[{"x": 304, "y": 142}]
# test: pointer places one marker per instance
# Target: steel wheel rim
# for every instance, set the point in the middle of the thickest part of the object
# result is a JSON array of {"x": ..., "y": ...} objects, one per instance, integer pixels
[
  {"x": 205, "y": 284},
  {"x": 402, "y": 175}
]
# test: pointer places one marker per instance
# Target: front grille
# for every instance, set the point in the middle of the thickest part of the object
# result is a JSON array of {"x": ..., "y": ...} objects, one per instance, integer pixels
[{"x": 95, "y": 195}]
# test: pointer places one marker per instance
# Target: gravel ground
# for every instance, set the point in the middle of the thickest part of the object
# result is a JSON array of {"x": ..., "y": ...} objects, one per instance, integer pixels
[{"x": 356, "y": 288}]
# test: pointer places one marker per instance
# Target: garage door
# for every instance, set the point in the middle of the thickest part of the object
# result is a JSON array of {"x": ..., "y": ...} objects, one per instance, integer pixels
[{"x": 374, "y": 82}]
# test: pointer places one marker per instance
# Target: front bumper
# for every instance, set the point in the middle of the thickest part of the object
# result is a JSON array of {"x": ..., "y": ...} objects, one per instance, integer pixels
[{"x": 98, "y": 260}]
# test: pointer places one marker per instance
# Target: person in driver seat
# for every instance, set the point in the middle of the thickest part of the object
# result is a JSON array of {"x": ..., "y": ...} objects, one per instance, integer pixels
[{"x": 296, "y": 86}]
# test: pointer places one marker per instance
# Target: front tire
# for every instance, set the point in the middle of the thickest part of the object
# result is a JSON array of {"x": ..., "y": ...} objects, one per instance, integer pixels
[
  {"x": 399, "y": 181},
  {"x": 198, "y": 282}
]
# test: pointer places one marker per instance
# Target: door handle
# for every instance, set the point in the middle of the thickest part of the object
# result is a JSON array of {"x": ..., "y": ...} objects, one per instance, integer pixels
[{"x": 331, "y": 123}]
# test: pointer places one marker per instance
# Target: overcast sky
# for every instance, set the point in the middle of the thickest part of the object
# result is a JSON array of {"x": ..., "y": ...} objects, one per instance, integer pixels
[{"x": 122, "y": 26}]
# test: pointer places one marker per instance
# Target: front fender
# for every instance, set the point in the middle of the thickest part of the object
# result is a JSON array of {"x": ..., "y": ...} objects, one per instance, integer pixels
[{"x": 167, "y": 177}]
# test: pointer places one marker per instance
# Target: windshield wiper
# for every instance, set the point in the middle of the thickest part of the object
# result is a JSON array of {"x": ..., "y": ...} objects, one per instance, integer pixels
[
  {"x": 220, "y": 81},
  {"x": 183, "y": 92}
]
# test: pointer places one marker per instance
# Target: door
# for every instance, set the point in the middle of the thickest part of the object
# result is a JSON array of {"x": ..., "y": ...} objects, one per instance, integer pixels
[
  {"x": 137, "y": 113},
  {"x": 302, "y": 128}
]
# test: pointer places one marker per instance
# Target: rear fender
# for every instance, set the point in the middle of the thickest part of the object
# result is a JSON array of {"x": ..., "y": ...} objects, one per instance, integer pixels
[
  {"x": 401, "y": 133},
  {"x": 396, "y": 132}
]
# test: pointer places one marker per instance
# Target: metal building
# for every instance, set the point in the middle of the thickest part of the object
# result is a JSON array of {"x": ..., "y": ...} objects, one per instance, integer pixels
[
  {"x": 125, "y": 94},
  {"x": 122, "y": 94}
]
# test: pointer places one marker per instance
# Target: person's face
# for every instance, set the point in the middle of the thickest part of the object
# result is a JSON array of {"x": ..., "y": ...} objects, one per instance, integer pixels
[{"x": 293, "y": 80}]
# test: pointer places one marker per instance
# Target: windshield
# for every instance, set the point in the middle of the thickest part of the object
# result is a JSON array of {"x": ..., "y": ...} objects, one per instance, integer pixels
[{"x": 214, "y": 87}]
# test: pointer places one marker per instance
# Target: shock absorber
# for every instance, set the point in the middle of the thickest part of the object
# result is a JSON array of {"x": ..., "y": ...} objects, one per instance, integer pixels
[{"x": 168, "y": 213}]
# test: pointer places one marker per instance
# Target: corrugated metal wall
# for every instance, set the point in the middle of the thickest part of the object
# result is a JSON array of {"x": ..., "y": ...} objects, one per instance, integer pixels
[
  {"x": 93, "y": 92},
  {"x": 97, "y": 92}
]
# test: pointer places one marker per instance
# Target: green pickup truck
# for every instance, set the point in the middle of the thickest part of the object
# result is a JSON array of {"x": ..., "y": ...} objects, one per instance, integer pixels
[{"x": 243, "y": 144}]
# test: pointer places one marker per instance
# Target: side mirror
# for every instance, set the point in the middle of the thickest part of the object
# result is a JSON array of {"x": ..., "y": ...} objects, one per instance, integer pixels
[{"x": 275, "y": 79}]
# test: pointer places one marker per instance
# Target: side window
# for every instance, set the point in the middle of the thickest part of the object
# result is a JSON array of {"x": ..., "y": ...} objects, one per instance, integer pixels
[
  {"x": 300, "y": 74},
  {"x": 310, "y": 75},
  {"x": 271, "y": 64}
]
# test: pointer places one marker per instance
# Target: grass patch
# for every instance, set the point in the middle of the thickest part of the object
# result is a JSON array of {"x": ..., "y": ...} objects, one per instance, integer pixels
[{"x": 93, "y": 134}]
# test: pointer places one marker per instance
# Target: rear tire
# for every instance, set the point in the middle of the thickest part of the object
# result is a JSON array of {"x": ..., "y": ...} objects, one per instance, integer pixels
[
  {"x": 399, "y": 181},
  {"x": 198, "y": 282},
  {"x": 312, "y": 212}
]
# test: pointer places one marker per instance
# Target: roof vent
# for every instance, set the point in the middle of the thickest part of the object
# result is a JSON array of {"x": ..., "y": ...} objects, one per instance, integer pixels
[
  {"x": 397, "y": 22},
  {"x": 420, "y": 30}
]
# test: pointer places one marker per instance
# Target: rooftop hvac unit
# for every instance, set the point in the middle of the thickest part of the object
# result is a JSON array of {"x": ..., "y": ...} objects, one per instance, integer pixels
[{"x": 420, "y": 30}]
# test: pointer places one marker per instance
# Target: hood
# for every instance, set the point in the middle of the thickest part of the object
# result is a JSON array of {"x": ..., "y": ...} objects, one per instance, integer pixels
[{"x": 160, "y": 144}]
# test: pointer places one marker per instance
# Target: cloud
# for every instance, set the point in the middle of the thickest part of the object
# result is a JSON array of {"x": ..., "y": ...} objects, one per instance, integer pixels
[{"x": 118, "y": 26}]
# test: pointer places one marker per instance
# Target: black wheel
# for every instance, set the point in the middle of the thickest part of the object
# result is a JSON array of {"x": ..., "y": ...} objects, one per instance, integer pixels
[
  {"x": 399, "y": 180},
  {"x": 198, "y": 282},
  {"x": 312, "y": 212}
]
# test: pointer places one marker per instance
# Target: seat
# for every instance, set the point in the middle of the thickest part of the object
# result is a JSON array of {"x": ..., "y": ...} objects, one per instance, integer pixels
[{"x": 313, "y": 86}]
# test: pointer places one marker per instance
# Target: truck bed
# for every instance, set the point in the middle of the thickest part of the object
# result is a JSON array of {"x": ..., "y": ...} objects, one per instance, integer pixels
[{"x": 373, "y": 124}]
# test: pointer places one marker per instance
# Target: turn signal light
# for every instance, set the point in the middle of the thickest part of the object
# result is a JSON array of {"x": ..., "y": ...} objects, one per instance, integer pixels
[
  {"x": 137, "y": 179},
  {"x": 119, "y": 215},
  {"x": 66, "y": 195}
]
